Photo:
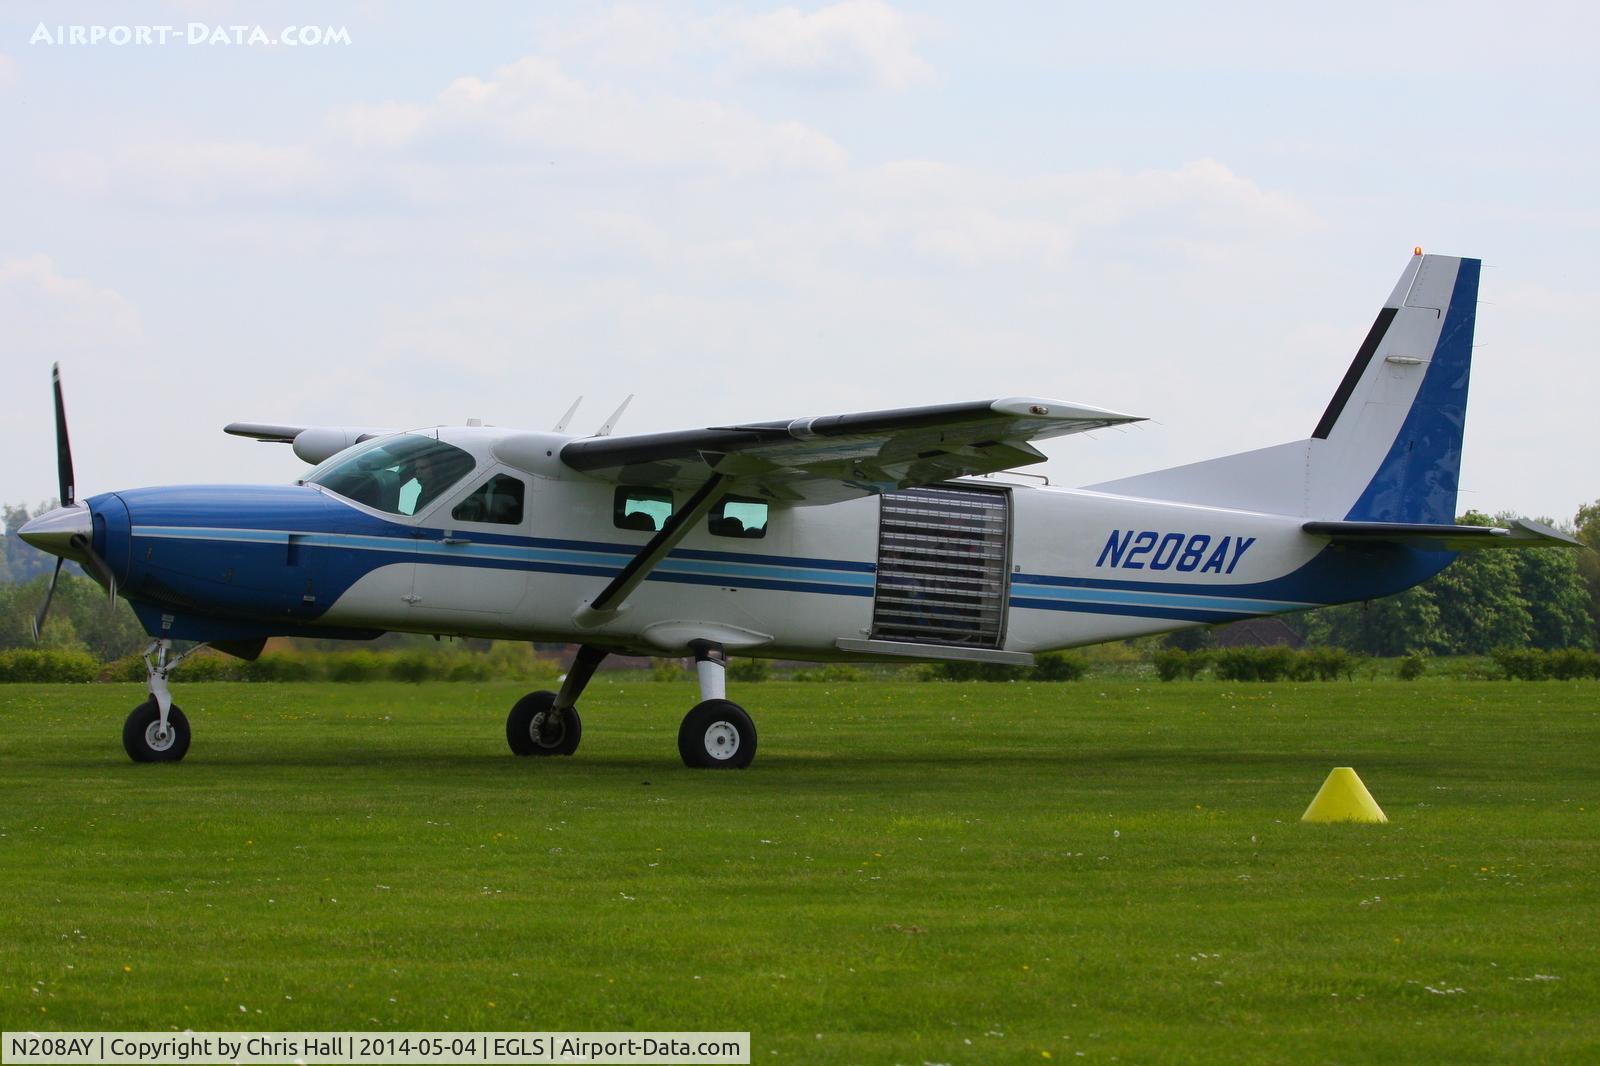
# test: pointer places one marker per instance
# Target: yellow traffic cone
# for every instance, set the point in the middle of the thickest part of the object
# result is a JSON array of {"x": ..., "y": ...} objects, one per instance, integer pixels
[{"x": 1343, "y": 798}]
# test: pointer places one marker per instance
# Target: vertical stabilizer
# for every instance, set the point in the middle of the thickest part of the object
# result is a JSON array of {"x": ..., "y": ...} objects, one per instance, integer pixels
[
  {"x": 1418, "y": 376},
  {"x": 1388, "y": 446}
]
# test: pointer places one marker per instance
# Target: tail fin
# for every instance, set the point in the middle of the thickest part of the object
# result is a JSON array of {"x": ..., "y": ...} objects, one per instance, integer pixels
[{"x": 1388, "y": 447}]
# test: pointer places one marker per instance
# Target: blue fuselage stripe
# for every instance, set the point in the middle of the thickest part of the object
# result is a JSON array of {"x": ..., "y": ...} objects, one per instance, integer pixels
[
  {"x": 1131, "y": 610},
  {"x": 1186, "y": 601},
  {"x": 1032, "y": 594},
  {"x": 589, "y": 559}
]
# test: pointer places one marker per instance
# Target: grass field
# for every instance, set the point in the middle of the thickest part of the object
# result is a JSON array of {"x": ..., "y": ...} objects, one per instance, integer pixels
[{"x": 937, "y": 872}]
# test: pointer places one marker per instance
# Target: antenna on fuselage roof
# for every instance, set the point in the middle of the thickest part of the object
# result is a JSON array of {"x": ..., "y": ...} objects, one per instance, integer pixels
[
  {"x": 561, "y": 426},
  {"x": 611, "y": 423}
]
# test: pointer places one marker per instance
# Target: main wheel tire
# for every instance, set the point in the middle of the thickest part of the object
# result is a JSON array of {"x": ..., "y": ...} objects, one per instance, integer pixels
[
  {"x": 143, "y": 739},
  {"x": 717, "y": 735},
  {"x": 528, "y": 731}
]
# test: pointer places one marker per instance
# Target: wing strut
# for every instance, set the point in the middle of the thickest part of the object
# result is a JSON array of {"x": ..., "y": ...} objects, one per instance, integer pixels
[{"x": 605, "y": 606}]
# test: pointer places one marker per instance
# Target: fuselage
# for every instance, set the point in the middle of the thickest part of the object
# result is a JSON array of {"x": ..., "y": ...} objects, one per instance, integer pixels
[{"x": 982, "y": 562}]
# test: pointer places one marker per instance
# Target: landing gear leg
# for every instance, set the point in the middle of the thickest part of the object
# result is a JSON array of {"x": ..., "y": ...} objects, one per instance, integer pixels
[
  {"x": 547, "y": 723},
  {"x": 716, "y": 734},
  {"x": 157, "y": 730}
]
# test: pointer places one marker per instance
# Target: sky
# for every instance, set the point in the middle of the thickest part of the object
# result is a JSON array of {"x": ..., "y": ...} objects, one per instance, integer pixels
[{"x": 760, "y": 211}]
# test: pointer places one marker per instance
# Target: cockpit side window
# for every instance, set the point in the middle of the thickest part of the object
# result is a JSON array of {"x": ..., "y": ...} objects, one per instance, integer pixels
[
  {"x": 497, "y": 501},
  {"x": 400, "y": 474}
]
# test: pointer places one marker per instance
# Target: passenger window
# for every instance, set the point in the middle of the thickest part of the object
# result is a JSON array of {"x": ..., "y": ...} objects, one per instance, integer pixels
[
  {"x": 646, "y": 510},
  {"x": 498, "y": 501},
  {"x": 737, "y": 516}
]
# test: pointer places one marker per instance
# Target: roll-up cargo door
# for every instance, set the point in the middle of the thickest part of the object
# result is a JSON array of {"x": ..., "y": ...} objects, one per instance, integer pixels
[{"x": 943, "y": 566}]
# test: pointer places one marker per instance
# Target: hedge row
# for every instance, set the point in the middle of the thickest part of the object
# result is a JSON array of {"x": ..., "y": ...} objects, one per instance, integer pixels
[
  {"x": 1532, "y": 664},
  {"x": 514, "y": 662},
  {"x": 1257, "y": 664},
  {"x": 1047, "y": 666},
  {"x": 47, "y": 664},
  {"x": 503, "y": 661}
]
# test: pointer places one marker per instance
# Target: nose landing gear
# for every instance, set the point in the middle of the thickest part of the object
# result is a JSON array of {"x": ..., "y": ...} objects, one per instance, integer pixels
[
  {"x": 157, "y": 730},
  {"x": 547, "y": 723}
]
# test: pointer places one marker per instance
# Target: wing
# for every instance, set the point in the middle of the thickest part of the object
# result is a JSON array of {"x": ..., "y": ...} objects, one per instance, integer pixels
[
  {"x": 839, "y": 457},
  {"x": 1522, "y": 533},
  {"x": 267, "y": 433},
  {"x": 312, "y": 444}
]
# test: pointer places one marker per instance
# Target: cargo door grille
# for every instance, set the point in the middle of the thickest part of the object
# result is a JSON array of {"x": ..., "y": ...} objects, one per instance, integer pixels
[{"x": 943, "y": 567}]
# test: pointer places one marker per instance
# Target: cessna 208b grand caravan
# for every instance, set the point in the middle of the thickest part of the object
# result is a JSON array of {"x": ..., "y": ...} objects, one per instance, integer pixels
[{"x": 869, "y": 536}]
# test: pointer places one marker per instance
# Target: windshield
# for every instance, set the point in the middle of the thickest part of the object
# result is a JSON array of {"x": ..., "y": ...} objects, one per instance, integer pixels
[{"x": 400, "y": 474}]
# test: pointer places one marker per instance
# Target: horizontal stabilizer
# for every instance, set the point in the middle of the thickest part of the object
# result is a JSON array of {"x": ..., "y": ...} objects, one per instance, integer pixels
[{"x": 1521, "y": 533}]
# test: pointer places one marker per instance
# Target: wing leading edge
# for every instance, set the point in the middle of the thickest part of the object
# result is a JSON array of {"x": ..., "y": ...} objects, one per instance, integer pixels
[{"x": 839, "y": 457}]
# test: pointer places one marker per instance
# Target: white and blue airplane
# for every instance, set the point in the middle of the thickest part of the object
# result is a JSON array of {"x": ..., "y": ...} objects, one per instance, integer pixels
[{"x": 884, "y": 536}]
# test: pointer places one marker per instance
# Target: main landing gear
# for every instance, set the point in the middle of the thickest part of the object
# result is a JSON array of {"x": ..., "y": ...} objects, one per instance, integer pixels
[
  {"x": 716, "y": 734},
  {"x": 157, "y": 730}
]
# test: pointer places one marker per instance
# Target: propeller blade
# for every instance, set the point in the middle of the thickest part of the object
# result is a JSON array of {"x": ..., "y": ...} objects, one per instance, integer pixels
[
  {"x": 63, "y": 444},
  {"x": 101, "y": 571},
  {"x": 44, "y": 608}
]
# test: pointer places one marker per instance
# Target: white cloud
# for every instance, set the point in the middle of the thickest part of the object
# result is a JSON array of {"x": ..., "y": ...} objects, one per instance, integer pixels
[
  {"x": 49, "y": 314},
  {"x": 535, "y": 106},
  {"x": 385, "y": 125},
  {"x": 974, "y": 218},
  {"x": 1478, "y": 37},
  {"x": 538, "y": 109},
  {"x": 626, "y": 37},
  {"x": 186, "y": 173},
  {"x": 856, "y": 41}
]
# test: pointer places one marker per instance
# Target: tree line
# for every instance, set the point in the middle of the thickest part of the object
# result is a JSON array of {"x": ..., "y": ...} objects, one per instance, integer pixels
[{"x": 1486, "y": 601}]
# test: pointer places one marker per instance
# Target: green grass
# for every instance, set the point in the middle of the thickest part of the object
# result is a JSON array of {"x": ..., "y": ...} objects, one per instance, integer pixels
[{"x": 951, "y": 873}]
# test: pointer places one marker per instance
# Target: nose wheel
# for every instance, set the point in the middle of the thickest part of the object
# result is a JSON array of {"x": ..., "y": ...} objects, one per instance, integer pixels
[
  {"x": 148, "y": 739},
  {"x": 536, "y": 727}
]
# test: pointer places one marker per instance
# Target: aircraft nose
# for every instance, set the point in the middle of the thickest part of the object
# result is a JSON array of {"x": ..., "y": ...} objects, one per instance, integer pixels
[{"x": 65, "y": 531}]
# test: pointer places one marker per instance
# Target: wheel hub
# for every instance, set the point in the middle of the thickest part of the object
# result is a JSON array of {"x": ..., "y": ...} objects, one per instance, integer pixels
[
  {"x": 722, "y": 741},
  {"x": 156, "y": 739},
  {"x": 547, "y": 731}
]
